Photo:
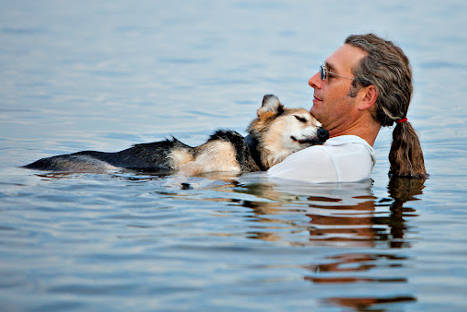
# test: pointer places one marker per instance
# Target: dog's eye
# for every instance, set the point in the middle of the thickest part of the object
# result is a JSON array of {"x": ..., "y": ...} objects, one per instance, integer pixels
[{"x": 299, "y": 118}]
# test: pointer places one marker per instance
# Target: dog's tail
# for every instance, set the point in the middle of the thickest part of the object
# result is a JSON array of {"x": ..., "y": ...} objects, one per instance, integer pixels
[
  {"x": 41, "y": 164},
  {"x": 79, "y": 162}
]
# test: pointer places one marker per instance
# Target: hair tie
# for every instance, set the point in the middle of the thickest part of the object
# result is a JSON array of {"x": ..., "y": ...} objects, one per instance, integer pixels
[{"x": 399, "y": 121}]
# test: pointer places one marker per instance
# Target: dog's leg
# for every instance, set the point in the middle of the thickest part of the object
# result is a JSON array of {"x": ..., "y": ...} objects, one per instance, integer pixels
[{"x": 212, "y": 156}]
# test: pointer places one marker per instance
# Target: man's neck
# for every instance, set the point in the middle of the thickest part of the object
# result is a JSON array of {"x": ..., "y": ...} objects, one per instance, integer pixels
[{"x": 367, "y": 131}]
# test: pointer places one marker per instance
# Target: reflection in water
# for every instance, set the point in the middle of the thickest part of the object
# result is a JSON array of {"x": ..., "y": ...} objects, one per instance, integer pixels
[
  {"x": 341, "y": 216},
  {"x": 337, "y": 214},
  {"x": 363, "y": 304},
  {"x": 402, "y": 190},
  {"x": 353, "y": 263}
]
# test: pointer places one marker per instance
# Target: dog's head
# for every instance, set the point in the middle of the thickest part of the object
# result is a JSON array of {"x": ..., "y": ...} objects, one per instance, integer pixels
[{"x": 282, "y": 131}]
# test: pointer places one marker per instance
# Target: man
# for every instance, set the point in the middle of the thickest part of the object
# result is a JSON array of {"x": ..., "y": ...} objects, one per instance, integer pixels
[{"x": 362, "y": 86}]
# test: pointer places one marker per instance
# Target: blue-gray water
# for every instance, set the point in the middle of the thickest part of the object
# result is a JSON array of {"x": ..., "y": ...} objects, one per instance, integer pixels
[{"x": 98, "y": 75}]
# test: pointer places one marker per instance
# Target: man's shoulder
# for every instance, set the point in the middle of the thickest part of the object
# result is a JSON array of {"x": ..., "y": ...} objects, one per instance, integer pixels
[
  {"x": 344, "y": 144},
  {"x": 346, "y": 139},
  {"x": 338, "y": 152},
  {"x": 340, "y": 159}
]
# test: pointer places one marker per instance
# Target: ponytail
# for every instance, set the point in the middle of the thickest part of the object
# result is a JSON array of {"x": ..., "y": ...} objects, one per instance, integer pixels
[
  {"x": 406, "y": 156},
  {"x": 387, "y": 68}
]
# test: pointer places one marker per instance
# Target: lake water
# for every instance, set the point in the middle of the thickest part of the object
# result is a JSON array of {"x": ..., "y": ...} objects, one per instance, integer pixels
[{"x": 80, "y": 75}]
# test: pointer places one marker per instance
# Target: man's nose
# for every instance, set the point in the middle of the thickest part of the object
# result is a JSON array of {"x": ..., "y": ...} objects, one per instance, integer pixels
[{"x": 315, "y": 81}]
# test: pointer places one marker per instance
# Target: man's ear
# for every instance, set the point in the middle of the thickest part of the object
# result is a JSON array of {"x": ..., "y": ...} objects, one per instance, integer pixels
[{"x": 368, "y": 96}]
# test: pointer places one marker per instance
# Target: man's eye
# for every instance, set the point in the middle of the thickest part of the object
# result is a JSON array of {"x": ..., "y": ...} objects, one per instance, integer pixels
[{"x": 301, "y": 119}]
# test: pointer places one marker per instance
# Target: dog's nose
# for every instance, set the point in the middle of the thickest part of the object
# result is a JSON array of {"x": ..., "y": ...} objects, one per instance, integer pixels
[{"x": 323, "y": 134}]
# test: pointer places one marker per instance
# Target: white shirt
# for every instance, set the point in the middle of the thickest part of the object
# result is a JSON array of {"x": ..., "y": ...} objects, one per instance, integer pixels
[{"x": 346, "y": 158}]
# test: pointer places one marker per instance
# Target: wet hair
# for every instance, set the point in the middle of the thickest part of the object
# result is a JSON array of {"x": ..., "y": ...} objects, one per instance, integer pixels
[{"x": 387, "y": 68}]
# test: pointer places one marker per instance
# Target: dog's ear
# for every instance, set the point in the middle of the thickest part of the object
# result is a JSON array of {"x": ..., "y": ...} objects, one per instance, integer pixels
[{"x": 271, "y": 104}]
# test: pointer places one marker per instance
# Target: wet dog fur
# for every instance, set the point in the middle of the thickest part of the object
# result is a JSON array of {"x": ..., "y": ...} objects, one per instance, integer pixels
[{"x": 276, "y": 133}]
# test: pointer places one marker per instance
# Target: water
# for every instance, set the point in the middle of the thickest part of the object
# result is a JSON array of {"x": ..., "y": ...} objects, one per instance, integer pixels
[{"x": 105, "y": 75}]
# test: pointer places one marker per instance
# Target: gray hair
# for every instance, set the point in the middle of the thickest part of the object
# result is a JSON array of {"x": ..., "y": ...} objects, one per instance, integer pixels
[{"x": 387, "y": 68}]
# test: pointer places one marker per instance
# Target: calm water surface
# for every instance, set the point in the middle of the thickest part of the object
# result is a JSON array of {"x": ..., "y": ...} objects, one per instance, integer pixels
[{"x": 85, "y": 75}]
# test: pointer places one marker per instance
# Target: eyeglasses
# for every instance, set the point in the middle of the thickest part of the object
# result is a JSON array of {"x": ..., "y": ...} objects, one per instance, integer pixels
[{"x": 325, "y": 73}]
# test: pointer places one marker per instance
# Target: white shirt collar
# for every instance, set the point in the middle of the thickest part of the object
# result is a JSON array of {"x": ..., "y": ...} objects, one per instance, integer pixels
[{"x": 351, "y": 139}]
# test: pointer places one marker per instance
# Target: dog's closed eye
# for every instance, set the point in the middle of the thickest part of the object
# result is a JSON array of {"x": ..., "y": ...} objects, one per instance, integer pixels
[{"x": 299, "y": 118}]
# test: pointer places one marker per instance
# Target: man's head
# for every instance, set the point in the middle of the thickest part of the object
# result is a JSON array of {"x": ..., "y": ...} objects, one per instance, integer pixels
[
  {"x": 380, "y": 75},
  {"x": 387, "y": 68},
  {"x": 369, "y": 85},
  {"x": 333, "y": 104}
]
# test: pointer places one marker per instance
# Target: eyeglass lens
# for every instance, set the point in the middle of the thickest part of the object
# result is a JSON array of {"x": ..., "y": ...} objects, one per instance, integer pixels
[{"x": 323, "y": 72}]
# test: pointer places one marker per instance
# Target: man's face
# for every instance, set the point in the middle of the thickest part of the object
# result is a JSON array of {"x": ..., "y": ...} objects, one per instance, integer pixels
[{"x": 332, "y": 105}]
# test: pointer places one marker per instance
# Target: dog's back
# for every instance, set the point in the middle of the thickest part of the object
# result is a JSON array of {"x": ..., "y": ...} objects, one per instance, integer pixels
[
  {"x": 148, "y": 157},
  {"x": 276, "y": 133}
]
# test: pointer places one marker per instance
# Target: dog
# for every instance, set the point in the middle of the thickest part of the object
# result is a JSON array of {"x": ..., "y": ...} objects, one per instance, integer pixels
[{"x": 276, "y": 133}]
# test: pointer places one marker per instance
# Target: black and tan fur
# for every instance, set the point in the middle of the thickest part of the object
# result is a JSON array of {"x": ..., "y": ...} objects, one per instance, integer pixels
[{"x": 276, "y": 133}]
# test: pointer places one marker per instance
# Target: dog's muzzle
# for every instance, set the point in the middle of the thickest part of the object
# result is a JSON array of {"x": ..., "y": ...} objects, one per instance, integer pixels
[{"x": 321, "y": 136}]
